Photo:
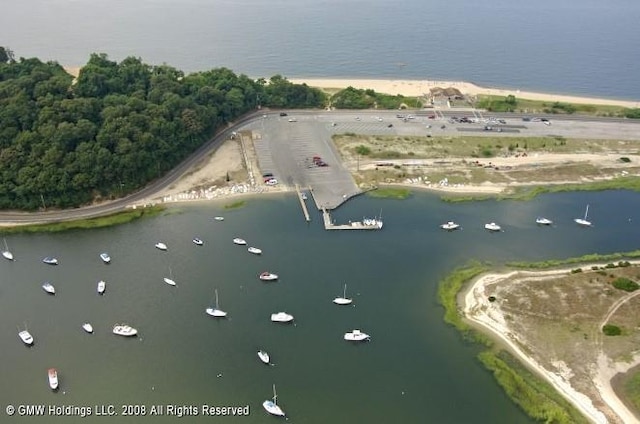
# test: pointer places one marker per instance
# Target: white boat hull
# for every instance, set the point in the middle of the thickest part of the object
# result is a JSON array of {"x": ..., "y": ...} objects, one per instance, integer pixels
[
  {"x": 264, "y": 356},
  {"x": 255, "y": 250},
  {"x": 492, "y": 227},
  {"x": 450, "y": 226},
  {"x": 281, "y": 317},
  {"x": 26, "y": 337},
  {"x": 101, "y": 287},
  {"x": 124, "y": 330},
  {"x": 105, "y": 258},
  {"x": 267, "y": 276},
  {"x": 356, "y": 336},
  {"x": 87, "y": 327},
  {"x": 239, "y": 241},
  {"x": 582, "y": 222},
  {"x": 7, "y": 255},
  {"x": 272, "y": 408},
  {"x": 543, "y": 221},
  {"x": 342, "y": 301},
  {"x": 169, "y": 281},
  {"x": 214, "y": 312},
  {"x": 161, "y": 246},
  {"x": 53, "y": 378},
  {"x": 49, "y": 288}
]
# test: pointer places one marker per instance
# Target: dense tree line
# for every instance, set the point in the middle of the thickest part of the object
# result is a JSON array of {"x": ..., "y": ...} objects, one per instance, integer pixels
[
  {"x": 353, "y": 98},
  {"x": 117, "y": 127}
]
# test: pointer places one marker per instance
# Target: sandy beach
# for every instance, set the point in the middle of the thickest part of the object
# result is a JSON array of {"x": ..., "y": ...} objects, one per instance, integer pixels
[
  {"x": 415, "y": 88},
  {"x": 477, "y": 308}
]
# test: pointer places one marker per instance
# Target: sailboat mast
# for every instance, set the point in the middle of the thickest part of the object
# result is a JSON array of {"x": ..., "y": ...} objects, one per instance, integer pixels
[
  {"x": 586, "y": 213},
  {"x": 344, "y": 293},
  {"x": 274, "y": 395}
]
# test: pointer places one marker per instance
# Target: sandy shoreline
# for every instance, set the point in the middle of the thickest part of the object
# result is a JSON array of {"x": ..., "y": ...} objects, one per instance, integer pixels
[
  {"x": 479, "y": 310},
  {"x": 415, "y": 88}
]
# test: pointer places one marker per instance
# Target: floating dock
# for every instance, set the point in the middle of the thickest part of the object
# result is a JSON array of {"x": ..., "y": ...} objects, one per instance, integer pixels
[{"x": 365, "y": 224}]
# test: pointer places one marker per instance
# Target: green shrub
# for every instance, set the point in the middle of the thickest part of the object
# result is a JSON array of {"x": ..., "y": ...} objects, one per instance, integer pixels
[
  {"x": 625, "y": 284},
  {"x": 625, "y": 159},
  {"x": 577, "y": 270},
  {"x": 363, "y": 150},
  {"x": 611, "y": 330}
]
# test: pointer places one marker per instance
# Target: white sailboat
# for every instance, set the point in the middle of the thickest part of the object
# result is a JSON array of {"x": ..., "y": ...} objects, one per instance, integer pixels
[
  {"x": 271, "y": 406},
  {"x": 583, "y": 221},
  {"x": 169, "y": 280},
  {"x": 6, "y": 253},
  {"x": 216, "y": 312},
  {"x": 344, "y": 300}
]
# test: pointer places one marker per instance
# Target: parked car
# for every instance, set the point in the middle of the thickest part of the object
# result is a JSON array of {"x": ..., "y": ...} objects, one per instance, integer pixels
[{"x": 283, "y": 114}]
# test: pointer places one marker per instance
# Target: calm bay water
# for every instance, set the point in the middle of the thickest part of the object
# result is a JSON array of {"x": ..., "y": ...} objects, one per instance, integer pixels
[
  {"x": 586, "y": 47},
  {"x": 415, "y": 369}
]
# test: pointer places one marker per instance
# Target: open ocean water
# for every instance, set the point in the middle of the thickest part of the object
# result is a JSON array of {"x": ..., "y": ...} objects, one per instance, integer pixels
[
  {"x": 582, "y": 47},
  {"x": 415, "y": 369}
]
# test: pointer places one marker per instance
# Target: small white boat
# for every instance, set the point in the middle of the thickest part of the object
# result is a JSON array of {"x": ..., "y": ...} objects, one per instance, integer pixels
[
  {"x": 53, "y": 378},
  {"x": 87, "y": 327},
  {"x": 255, "y": 250},
  {"x": 543, "y": 221},
  {"x": 492, "y": 226},
  {"x": 216, "y": 312},
  {"x": 344, "y": 300},
  {"x": 124, "y": 330},
  {"x": 239, "y": 241},
  {"x": 48, "y": 287},
  {"x": 197, "y": 241},
  {"x": 105, "y": 257},
  {"x": 303, "y": 196},
  {"x": 356, "y": 336},
  {"x": 6, "y": 253},
  {"x": 271, "y": 406},
  {"x": 169, "y": 280},
  {"x": 26, "y": 337},
  {"x": 583, "y": 221},
  {"x": 281, "y": 317},
  {"x": 268, "y": 276},
  {"x": 450, "y": 226},
  {"x": 50, "y": 260},
  {"x": 161, "y": 246},
  {"x": 219, "y": 218},
  {"x": 101, "y": 287},
  {"x": 264, "y": 356}
]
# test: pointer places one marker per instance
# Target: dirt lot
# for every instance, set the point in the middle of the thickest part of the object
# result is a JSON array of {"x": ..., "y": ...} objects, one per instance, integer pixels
[{"x": 474, "y": 161}]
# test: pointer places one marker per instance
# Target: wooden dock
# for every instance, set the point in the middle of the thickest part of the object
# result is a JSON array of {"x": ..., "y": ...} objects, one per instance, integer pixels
[{"x": 305, "y": 211}]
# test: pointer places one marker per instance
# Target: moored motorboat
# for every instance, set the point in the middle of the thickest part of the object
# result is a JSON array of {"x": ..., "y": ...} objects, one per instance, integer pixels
[
  {"x": 219, "y": 218},
  {"x": 87, "y": 327},
  {"x": 169, "y": 281},
  {"x": 105, "y": 257},
  {"x": 124, "y": 330},
  {"x": 161, "y": 246},
  {"x": 240, "y": 241},
  {"x": 102, "y": 286},
  {"x": 264, "y": 356},
  {"x": 53, "y": 378},
  {"x": 344, "y": 300},
  {"x": 356, "y": 336},
  {"x": 492, "y": 226},
  {"x": 48, "y": 287},
  {"x": 254, "y": 250},
  {"x": 26, "y": 337},
  {"x": 197, "y": 241},
  {"x": 268, "y": 276},
  {"x": 271, "y": 406},
  {"x": 281, "y": 317},
  {"x": 543, "y": 221},
  {"x": 50, "y": 260},
  {"x": 450, "y": 226}
]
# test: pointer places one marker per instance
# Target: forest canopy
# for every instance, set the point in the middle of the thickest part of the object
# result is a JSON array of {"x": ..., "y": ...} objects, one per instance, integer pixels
[{"x": 117, "y": 127}]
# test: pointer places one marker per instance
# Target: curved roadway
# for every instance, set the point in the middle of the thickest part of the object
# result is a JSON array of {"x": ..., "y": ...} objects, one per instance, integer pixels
[{"x": 17, "y": 217}]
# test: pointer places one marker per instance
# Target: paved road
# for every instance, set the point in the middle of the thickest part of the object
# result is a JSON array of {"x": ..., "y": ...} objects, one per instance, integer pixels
[{"x": 319, "y": 125}]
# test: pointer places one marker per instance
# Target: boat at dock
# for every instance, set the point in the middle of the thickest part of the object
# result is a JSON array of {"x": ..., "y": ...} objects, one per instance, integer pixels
[
  {"x": 365, "y": 224},
  {"x": 356, "y": 336},
  {"x": 53, "y": 378}
]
